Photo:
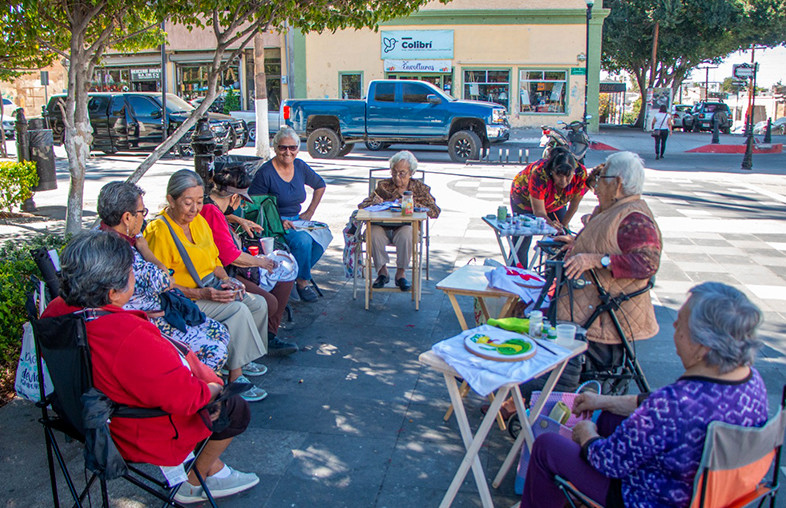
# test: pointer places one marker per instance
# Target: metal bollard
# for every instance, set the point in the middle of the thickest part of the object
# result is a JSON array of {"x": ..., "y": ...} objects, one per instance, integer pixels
[
  {"x": 22, "y": 143},
  {"x": 715, "y": 131},
  {"x": 747, "y": 160},
  {"x": 768, "y": 132}
]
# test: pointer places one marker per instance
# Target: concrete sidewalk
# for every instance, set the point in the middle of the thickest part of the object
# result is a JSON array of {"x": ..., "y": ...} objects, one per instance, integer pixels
[{"x": 353, "y": 420}]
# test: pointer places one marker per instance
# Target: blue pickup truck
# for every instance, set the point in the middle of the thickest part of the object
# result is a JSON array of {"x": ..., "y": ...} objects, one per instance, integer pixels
[{"x": 397, "y": 111}]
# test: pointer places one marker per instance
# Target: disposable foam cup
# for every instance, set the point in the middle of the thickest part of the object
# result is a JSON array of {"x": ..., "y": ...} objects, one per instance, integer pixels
[
  {"x": 565, "y": 334},
  {"x": 267, "y": 245}
]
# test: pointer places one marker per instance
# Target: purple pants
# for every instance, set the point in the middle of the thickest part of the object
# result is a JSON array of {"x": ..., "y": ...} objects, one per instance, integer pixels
[{"x": 553, "y": 455}]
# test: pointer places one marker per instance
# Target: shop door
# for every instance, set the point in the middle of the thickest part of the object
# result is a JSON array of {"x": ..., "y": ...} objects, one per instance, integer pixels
[{"x": 442, "y": 81}]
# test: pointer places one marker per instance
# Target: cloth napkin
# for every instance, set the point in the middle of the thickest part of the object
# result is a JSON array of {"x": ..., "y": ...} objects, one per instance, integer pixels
[{"x": 485, "y": 376}]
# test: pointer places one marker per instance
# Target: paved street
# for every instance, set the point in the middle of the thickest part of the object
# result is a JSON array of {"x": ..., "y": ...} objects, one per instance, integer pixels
[{"x": 353, "y": 420}]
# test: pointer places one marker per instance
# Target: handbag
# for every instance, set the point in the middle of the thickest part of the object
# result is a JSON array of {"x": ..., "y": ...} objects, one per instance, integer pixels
[
  {"x": 543, "y": 424},
  {"x": 26, "y": 382}
]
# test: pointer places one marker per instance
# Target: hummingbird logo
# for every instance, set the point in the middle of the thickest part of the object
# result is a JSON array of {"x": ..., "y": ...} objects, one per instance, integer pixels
[{"x": 390, "y": 44}]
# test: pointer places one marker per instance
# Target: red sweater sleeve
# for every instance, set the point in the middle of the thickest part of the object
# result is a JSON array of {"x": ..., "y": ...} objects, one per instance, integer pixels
[
  {"x": 228, "y": 252},
  {"x": 638, "y": 239}
]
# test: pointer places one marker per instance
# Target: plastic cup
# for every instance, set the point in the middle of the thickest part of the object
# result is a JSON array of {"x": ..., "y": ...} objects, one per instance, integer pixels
[
  {"x": 565, "y": 334},
  {"x": 267, "y": 245},
  {"x": 253, "y": 250}
]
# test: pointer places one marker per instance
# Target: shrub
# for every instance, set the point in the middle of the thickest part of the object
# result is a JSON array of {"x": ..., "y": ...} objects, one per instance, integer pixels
[
  {"x": 232, "y": 101},
  {"x": 15, "y": 283},
  {"x": 16, "y": 181}
]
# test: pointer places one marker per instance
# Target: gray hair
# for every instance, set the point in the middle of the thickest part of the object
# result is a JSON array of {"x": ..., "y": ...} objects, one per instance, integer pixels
[
  {"x": 284, "y": 133},
  {"x": 181, "y": 181},
  {"x": 93, "y": 263},
  {"x": 723, "y": 319},
  {"x": 115, "y": 199},
  {"x": 408, "y": 157},
  {"x": 630, "y": 168}
]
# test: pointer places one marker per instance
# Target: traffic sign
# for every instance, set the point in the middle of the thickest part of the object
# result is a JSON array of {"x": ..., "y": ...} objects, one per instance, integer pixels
[{"x": 743, "y": 71}]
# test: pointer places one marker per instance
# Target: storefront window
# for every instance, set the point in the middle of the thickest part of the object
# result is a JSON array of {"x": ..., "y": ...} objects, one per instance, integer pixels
[
  {"x": 351, "y": 85},
  {"x": 542, "y": 91},
  {"x": 193, "y": 80},
  {"x": 124, "y": 79},
  {"x": 487, "y": 85}
]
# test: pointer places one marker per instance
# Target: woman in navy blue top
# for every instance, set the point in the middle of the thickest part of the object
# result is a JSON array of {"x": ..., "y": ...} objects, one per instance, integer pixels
[
  {"x": 645, "y": 449},
  {"x": 285, "y": 176}
]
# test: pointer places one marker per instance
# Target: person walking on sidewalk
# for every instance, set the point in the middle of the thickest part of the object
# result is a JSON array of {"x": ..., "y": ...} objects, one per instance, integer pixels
[{"x": 661, "y": 128}]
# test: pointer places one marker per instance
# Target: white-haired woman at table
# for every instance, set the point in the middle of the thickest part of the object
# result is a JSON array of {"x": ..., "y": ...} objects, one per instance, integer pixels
[{"x": 402, "y": 166}]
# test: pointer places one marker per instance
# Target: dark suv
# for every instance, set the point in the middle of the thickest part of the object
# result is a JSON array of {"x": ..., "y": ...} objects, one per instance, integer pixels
[
  {"x": 704, "y": 113},
  {"x": 131, "y": 121}
]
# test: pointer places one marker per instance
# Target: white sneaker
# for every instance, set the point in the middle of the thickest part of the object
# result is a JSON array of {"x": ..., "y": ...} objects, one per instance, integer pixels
[
  {"x": 255, "y": 394},
  {"x": 188, "y": 494},
  {"x": 232, "y": 484},
  {"x": 252, "y": 369}
]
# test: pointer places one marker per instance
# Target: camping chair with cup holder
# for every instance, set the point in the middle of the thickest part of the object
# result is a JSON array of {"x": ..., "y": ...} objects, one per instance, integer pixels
[
  {"x": 733, "y": 469},
  {"x": 79, "y": 411}
]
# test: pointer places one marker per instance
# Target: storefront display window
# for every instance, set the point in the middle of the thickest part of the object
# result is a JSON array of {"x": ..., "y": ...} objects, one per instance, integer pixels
[
  {"x": 124, "y": 79},
  {"x": 542, "y": 91},
  {"x": 192, "y": 80},
  {"x": 487, "y": 85},
  {"x": 351, "y": 85}
]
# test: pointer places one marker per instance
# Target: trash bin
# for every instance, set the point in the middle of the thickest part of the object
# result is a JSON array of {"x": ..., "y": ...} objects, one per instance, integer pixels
[
  {"x": 36, "y": 123},
  {"x": 204, "y": 145},
  {"x": 249, "y": 162},
  {"x": 42, "y": 152}
]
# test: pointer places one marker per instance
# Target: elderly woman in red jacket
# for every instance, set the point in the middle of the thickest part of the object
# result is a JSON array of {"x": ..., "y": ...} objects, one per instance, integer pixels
[{"x": 133, "y": 364}]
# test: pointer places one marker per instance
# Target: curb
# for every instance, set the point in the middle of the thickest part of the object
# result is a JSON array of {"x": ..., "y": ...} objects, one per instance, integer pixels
[
  {"x": 761, "y": 148},
  {"x": 597, "y": 145}
]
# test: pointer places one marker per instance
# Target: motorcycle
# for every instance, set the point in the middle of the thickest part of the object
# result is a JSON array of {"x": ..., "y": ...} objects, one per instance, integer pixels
[{"x": 574, "y": 136}]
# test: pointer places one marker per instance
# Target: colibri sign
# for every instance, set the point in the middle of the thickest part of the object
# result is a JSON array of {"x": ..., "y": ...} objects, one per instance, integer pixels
[
  {"x": 744, "y": 71},
  {"x": 416, "y": 44}
]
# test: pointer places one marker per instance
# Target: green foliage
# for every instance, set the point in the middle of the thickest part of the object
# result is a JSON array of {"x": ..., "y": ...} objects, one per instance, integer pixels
[
  {"x": 16, "y": 181},
  {"x": 231, "y": 101},
  {"x": 18, "y": 54},
  {"x": 15, "y": 283},
  {"x": 630, "y": 118}
]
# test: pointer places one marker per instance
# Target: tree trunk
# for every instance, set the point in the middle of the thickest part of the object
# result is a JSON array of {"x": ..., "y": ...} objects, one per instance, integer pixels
[
  {"x": 262, "y": 142},
  {"x": 78, "y": 132}
]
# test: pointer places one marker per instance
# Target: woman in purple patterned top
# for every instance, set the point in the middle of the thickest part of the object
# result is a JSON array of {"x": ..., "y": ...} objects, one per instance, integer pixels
[{"x": 645, "y": 449}]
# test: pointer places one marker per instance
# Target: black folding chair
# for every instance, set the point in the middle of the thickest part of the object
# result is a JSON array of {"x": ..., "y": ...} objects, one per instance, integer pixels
[{"x": 62, "y": 343}]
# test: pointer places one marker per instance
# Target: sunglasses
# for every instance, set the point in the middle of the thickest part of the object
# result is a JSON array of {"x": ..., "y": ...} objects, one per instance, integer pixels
[{"x": 291, "y": 148}]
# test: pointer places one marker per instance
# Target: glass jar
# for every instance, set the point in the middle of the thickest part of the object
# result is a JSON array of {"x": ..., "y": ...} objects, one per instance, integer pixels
[
  {"x": 407, "y": 203},
  {"x": 535, "y": 324}
]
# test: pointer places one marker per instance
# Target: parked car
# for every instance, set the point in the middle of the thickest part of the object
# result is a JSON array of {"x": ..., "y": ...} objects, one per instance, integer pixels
[
  {"x": 9, "y": 127},
  {"x": 704, "y": 113},
  {"x": 397, "y": 111},
  {"x": 131, "y": 121},
  {"x": 678, "y": 114},
  {"x": 250, "y": 117},
  {"x": 9, "y": 108},
  {"x": 778, "y": 127}
]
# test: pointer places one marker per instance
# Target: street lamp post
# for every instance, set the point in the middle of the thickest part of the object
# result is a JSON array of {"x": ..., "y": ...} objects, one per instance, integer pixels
[{"x": 589, "y": 3}]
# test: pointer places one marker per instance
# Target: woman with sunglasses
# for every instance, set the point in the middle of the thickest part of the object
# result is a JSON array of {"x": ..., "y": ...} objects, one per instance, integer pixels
[
  {"x": 285, "y": 177},
  {"x": 551, "y": 188},
  {"x": 122, "y": 210}
]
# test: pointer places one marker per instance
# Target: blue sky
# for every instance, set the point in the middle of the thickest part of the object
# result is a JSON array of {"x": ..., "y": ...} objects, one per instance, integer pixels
[{"x": 772, "y": 66}]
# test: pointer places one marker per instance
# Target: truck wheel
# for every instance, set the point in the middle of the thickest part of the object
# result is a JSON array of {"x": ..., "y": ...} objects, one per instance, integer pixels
[
  {"x": 464, "y": 146},
  {"x": 375, "y": 146},
  {"x": 346, "y": 149},
  {"x": 252, "y": 132},
  {"x": 184, "y": 150},
  {"x": 323, "y": 144}
]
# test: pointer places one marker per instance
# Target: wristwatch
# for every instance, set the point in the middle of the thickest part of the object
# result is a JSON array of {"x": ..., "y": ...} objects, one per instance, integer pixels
[{"x": 605, "y": 261}]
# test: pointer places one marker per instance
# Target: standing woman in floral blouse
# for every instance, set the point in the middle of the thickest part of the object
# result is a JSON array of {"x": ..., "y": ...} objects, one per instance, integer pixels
[
  {"x": 402, "y": 166},
  {"x": 551, "y": 188}
]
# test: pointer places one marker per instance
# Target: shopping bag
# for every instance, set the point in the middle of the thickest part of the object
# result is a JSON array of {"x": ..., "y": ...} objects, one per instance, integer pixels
[
  {"x": 26, "y": 382},
  {"x": 543, "y": 424}
]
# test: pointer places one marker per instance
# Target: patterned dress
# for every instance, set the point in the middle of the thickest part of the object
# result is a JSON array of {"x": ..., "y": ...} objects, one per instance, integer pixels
[
  {"x": 208, "y": 340},
  {"x": 656, "y": 450}
]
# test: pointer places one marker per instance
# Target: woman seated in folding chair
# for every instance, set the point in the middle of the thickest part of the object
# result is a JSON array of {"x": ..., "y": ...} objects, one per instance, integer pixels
[
  {"x": 645, "y": 449},
  {"x": 285, "y": 176},
  {"x": 133, "y": 364},
  {"x": 402, "y": 166},
  {"x": 230, "y": 189}
]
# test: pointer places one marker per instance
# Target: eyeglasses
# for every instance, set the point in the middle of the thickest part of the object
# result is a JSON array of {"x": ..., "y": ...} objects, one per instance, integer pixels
[
  {"x": 291, "y": 148},
  {"x": 143, "y": 212},
  {"x": 599, "y": 176},
  {"x": 400, "y": 173}
]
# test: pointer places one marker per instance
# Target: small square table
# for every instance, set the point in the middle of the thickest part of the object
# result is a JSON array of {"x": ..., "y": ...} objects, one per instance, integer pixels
[
  {"x": 514, "y": 240},
  {"x": 474, "y": 443},
  {"x": 393, "y": 218}
]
